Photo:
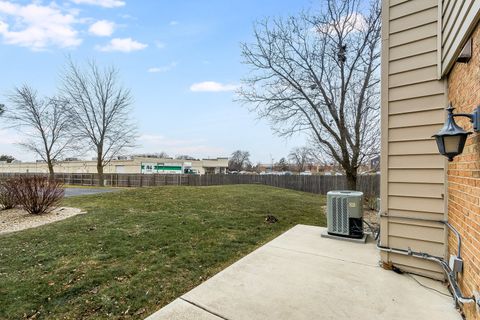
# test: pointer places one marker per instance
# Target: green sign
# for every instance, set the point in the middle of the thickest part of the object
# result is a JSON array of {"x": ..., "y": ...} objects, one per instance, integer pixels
[{"x": 168, "y": 168}]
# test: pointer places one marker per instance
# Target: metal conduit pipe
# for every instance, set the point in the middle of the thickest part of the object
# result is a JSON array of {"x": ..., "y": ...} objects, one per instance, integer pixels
[
  {"x": 459, "y": 239},
  {"x": 457, "y": 292}
]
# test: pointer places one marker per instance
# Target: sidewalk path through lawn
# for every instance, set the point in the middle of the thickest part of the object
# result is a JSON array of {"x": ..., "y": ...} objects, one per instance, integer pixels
[{"x": 71, "y": 192}]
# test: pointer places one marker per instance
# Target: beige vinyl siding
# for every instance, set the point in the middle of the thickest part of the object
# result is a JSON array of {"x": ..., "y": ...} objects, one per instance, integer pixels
[
  {"x": 412, "y": 133},
  {"x": 423, "y": 236},
  {"x": 427, "y": 102},
  {"x": 416, "y": 119},
  {"x": 432, "y": 176},
  {"x": 415, "y": 162},
  {"x": 431, "y": 205},
  {"x": 413, "y": 147},
  {"x": 422, "y": 267},
  {"x": 414, "y": 214},
  {"x": 399, "y": 9},
  {"x": 420, "y": 190},
  {"x": 434, "y": 247},
  {"x": 413, "y": 101},
  {"x": 414, "y": 21},
  {"x": 459, "y": 17},
  {"x": 416, "y": 90},
  {"x": 412, "y": 63},
  {"x": 413, "y": 35},
  {"x": 412, "y": 49}
]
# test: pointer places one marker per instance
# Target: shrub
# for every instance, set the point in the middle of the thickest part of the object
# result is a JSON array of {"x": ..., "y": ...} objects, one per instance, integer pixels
[
  {"x": 8, "y": 199},
  {"x": 371, "y": 202},
  {"x": 37, "y": 194}
]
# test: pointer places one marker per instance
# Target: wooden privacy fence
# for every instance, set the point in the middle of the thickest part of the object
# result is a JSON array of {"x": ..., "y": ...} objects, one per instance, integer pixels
[{"x": 369, "y": 184}]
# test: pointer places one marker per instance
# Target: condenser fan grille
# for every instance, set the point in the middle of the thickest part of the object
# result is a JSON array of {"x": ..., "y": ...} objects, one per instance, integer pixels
[{"x": 340, "y": 216}]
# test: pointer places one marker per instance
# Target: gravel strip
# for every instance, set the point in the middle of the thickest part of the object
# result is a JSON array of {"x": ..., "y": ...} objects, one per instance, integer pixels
[{"x": 12, "y": 220}]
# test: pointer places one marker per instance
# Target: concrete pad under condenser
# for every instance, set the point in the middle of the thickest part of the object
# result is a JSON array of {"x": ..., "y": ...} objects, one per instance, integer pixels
[
  {"x": 363, "y": 239},
  {"x": 301, "y": 275}
]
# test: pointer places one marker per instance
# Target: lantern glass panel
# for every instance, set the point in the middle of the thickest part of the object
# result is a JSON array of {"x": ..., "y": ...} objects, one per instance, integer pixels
[{"x": 452, "y": 143}]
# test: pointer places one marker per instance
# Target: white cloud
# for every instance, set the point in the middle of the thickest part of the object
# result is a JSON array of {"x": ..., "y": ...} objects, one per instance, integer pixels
[
  {"x": 9, "y": 137},
  {"x": 38, "y": 26},
  {"x": 355, "y": 22},
  {"x": 194, "y": 147},
  {"x": 3, "y": 27},
  {"x": 162, "y": 69},
  {"x": 212, "y": 86},
  {"x": 102, "y": 28},
  {"x": 102, "y": 3},
  {"x": 173, "y": 23},
  {"x": 122, "y": 45}
]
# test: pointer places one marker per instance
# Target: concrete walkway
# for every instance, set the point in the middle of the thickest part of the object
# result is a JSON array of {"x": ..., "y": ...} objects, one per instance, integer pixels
[{"x": 300, "y": 275}]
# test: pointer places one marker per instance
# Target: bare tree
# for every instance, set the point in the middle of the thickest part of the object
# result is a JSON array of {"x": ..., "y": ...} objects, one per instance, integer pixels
[
  {"x": 7, "y": 158},
  {"x": 282, "y": 165},
  {"x": 240, "y": 160},
  {"x": 301, "y": 157},
  {"x": 319, "y": 73},
  {"x": 43, "y": 121},
  {"x": 99, "y": 111}
]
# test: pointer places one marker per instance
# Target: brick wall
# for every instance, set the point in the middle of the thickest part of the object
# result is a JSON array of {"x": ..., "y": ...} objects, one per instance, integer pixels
[{"x": 464, "y": 174}]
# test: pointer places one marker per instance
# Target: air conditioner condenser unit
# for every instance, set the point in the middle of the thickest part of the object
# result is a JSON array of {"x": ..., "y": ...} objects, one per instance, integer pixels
[{"x": 345, "y": 213}]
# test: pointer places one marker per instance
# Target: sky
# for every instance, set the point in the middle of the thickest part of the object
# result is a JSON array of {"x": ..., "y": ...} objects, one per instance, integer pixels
[{"x": 180, "y": 59}]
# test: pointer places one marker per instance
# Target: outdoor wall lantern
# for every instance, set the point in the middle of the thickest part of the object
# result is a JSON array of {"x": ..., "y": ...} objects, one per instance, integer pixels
[{"x": 451, "y": 138}]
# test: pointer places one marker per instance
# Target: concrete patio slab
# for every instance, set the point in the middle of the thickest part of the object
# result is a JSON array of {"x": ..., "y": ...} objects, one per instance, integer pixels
[
  {"x": 182, "y": 310},
  {"x": 300, "y": 275}
]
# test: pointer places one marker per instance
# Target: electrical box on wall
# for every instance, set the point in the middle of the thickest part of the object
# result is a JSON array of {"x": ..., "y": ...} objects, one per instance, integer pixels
[{"x": 456, "y": 264}]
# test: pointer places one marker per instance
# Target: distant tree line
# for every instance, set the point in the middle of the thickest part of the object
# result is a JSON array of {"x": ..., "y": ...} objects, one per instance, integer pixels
[
  {"x": 7, "y": 158},
  {"x": 299, "y": 159},
  {"x": 239, "y": 161},
  {"x": 164, "y": 155}
]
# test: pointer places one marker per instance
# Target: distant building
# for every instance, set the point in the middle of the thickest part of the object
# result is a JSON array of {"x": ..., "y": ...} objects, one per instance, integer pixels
[{"x": 124, "y": 165}]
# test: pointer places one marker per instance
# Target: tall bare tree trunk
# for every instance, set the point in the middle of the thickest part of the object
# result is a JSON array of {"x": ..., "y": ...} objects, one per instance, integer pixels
[
  {"x": 351, "y": 179},
  {"x": 100, "y": 167},
  {"x": 100, "y": 174},
  {"x": 51, "y": 174}
]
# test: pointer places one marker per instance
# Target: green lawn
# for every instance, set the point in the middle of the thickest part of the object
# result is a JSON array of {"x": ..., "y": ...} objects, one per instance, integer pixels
[{"x": 137, "y": 250}]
